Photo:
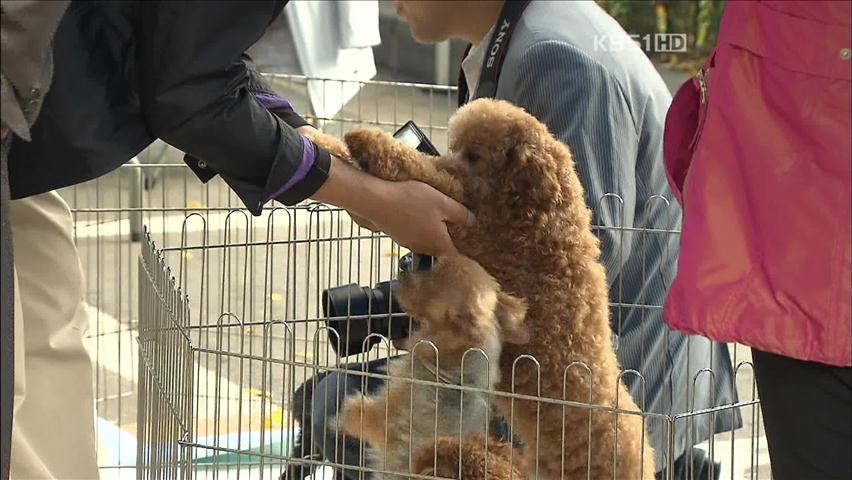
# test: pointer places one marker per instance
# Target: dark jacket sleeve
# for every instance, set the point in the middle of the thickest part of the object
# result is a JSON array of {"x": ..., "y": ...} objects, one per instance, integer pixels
[
  {"x": 264, "y": 92},
  {"x": 199, "y": 93}
]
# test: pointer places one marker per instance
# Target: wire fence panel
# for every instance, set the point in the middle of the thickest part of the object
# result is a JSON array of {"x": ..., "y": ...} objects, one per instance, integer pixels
[
  {"x": 157, "y": 190},
  {"x": 209, "y": 335},
  {"x": 243, "y": 306}
]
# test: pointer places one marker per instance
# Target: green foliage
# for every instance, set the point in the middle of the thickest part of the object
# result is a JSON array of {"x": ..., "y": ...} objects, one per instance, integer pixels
[
  {"x": 709, "y": 14},
  {"x": 698, "y": 19}
]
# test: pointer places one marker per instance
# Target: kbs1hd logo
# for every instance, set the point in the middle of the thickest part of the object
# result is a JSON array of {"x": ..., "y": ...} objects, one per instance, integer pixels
[{"x": 650, "y": 42}]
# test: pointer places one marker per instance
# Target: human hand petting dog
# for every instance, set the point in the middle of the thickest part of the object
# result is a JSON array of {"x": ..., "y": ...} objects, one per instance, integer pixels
[
  {"x": 413, "y": 214},
  {"x": 416, "y": 215}
]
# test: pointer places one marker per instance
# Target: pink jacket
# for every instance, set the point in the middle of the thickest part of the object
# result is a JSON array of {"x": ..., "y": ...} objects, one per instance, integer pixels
[{"x": 758, "y": 150}]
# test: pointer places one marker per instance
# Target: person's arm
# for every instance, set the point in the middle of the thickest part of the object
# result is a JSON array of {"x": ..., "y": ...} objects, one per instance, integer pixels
[
  {"x": 196, "y": 95},
  {"x": 266, "y": 95},
  {"x": 584, "y": 106},
  {"x": 417, "y": 220}
]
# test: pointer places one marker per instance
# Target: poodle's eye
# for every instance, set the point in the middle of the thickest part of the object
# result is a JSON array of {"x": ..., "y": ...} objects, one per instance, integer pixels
[{"x": 472, "y": 157}]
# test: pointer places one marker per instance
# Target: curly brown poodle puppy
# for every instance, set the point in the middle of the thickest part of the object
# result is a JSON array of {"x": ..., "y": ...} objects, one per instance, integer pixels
[
  {"x": 461, "y": 310},
  {"x": 470, "y": 460},
  {"x": 533, "y": 235}
]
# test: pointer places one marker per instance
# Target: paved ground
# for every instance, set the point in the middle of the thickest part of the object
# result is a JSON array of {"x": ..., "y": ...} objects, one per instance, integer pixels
[{"x": 244, "y": 389}]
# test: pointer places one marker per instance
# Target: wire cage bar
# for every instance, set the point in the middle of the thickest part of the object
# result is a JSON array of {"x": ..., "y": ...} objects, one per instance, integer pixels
[
  {"x": 205, "y": 321},
  {"x": 230, "y": 364}
]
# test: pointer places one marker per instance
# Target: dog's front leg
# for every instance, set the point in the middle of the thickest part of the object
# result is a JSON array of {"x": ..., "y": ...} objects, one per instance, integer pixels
[
  {"x": 381, "y": 155},
  {"x": 364, "y": 417},
  {"x": 443, "y": 458},
  {"x": 329, "y": 143}
]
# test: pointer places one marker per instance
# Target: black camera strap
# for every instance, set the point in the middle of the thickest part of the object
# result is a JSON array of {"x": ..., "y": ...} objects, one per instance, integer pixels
[{"x": 497, "y": 47}]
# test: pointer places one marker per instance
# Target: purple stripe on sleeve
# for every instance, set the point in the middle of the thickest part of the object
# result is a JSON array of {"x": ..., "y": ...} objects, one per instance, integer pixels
[
  {"x": 273, "y": 101},
  {"x": 308, "y": 154}
]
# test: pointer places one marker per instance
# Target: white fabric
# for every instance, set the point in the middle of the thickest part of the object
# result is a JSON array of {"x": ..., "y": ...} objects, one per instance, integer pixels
[
  {"x": 53, "y": 432},
  {"x": 334, "y": 40},
  {"x": 358, "y": 23},
  {"x": 472, "y": 63}
]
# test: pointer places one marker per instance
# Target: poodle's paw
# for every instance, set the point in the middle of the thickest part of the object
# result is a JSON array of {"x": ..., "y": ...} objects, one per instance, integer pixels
[
  {"x": 470, "y": 459},
  {"x": 437, "y": 459},
  {"x": 363, "y": 144},
  {"x": 380, "y": 154},
  {"x": 332, "y": 145}
]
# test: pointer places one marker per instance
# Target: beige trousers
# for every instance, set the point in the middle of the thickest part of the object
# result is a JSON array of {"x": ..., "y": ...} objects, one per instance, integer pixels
[{"x": 53, "y": 432}]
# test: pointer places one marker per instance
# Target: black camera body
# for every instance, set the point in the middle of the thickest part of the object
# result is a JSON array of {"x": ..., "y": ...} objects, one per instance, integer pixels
[
  {"x": 412, "y": 136},
  {"x": 353, "y": 312}
]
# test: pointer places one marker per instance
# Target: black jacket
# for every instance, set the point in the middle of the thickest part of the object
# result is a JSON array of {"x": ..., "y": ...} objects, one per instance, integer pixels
[{"x": 129, "y": 72}]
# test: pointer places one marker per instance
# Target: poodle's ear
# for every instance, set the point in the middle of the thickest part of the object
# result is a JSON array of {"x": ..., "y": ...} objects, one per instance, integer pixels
[
  {"x": 510, "y": 313},
  {"x": 534, "y": 167},
  {"x": 504, "y": 142}
]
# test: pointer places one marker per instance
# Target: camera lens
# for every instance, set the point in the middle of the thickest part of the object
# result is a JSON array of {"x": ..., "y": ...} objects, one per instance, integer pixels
[
  {"x": 373, "y": 310},
  {"x": 376, "y": 310}
]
